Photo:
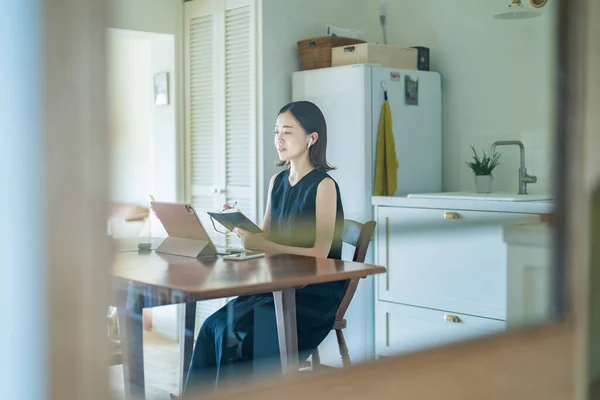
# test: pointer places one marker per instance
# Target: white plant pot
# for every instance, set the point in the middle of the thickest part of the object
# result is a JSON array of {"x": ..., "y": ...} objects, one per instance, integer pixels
[{"x": 483, "y": 183}]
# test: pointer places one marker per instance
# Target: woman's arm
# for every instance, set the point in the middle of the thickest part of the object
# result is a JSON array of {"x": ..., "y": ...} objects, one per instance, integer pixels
[
  {"x": 326, "y": 211},
  {"x": 267, "y": 217}
]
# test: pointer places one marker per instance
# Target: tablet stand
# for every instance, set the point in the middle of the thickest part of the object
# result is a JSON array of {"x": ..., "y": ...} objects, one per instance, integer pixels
[{"x": 187, "y": 247}]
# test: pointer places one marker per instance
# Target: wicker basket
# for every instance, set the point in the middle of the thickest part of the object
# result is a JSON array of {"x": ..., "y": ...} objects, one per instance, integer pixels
[{"x": 316, "y": 52}]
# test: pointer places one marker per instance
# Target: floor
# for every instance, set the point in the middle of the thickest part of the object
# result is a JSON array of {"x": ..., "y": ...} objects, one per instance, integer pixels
[{"x": 161, "y": 369}]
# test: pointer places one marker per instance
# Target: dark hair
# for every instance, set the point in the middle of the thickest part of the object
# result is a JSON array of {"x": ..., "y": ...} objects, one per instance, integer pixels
[{"x": 311, "y": 119}]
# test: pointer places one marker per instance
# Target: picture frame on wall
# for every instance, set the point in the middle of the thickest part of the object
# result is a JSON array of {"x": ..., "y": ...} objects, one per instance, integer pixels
[{"x": 161, "y": 89}]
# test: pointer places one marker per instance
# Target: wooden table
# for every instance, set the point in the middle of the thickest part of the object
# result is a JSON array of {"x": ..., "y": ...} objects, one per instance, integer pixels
[{"x": 161, "y": 279}]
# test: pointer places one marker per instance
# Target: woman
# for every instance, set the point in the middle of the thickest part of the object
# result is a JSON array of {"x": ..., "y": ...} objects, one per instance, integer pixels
[{"x": 304, "y": 216}]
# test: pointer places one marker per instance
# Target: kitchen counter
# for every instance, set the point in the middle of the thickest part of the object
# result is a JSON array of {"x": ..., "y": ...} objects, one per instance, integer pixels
[
  {"x": 534, "y": 207},
  {"x": 459, "y": 265}
]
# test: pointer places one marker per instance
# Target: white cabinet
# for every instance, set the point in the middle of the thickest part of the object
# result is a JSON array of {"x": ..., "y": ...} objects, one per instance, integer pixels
[
  {"x": 446, "y": 277},
  {"x": 405, "y": 329},
  {"x": 444, "y": 259},
  {"x": 529, "y": 274}
]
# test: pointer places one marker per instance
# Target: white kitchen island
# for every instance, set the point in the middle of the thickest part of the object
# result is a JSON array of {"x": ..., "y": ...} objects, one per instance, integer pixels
[{"x": 457, "y": 268}]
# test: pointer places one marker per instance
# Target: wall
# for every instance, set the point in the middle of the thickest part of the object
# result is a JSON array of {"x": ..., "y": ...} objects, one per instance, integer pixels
[
  {"x": 498, "y": 77},
  {"x": 157, "y": 16},
  {"x": 131, "y": 116},
  {"x": 165, "y": 17},
  {"x": 143, "y": 135}
]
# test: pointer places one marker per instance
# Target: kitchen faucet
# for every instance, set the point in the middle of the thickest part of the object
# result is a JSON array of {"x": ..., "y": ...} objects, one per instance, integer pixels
[{"x": 524, "y": 179}]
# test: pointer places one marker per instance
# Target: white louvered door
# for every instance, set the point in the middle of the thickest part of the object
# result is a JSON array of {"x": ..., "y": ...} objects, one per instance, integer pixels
[
  {"x": 220, "y": 114},
  {"x": 240, "y": 123},
  {"x": 202, "y": 122},
  {"x": 221, "y": 109}
]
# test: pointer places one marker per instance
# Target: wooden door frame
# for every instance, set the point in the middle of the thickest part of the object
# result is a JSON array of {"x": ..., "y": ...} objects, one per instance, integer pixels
[{"x": 72, "y": 233}]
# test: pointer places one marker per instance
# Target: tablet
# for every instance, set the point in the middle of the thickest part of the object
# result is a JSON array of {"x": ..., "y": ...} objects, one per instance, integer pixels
[
  {"x": 180, "y": 220},
  {"x": 234, "y": 218}
]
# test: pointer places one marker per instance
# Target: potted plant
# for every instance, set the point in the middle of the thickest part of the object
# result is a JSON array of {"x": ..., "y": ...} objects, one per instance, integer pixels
[{"x": 482, "y": 168}]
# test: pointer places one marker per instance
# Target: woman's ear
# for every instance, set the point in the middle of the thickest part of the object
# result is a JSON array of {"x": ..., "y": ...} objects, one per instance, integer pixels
[{"x": 313, "y": 138}]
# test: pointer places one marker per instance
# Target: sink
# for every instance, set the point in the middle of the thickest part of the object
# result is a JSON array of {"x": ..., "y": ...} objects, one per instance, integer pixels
[{"x": 497, "y": 196}]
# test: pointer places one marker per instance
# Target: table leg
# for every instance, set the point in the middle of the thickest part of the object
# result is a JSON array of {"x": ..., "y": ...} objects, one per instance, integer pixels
[
  {"x": 132, "y": 347},
  {"x": 285, "y": 313},
  {"x": 187, "y": 325}
]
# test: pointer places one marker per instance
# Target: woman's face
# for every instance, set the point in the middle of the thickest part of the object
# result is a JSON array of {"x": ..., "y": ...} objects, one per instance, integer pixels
[{"x": 290, "y": 139}]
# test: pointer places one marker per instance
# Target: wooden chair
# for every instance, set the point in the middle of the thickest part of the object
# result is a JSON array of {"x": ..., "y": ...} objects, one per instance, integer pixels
[{"x": 359, "y": 236}]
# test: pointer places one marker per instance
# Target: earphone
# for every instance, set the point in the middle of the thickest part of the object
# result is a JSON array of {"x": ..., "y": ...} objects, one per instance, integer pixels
[{"x": 310, "y": 143}]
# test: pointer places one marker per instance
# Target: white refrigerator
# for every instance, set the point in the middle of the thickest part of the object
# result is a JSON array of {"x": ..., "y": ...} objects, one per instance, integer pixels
[{"x": 351, "y": 98}]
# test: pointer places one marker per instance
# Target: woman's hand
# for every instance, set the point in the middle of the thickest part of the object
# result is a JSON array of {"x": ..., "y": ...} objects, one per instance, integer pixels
[{"x": 252, "y": 241}]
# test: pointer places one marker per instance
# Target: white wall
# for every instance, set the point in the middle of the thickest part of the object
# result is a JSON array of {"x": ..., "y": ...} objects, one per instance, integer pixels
[
  {"x": 143, "y": 135},
  {"x": 165, "y": 17},
  {"x": 131, "y": 117},
  {"x": 498, "y": 78},
  {"x": 157, "y": 16}
]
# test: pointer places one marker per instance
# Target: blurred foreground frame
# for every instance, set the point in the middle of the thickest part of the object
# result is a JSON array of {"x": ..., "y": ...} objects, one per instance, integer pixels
[{"x": 558, "y": 359}]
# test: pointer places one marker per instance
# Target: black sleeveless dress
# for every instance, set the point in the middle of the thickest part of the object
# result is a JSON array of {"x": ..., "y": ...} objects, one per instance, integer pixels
[
  {"x": 293, "y": 218},
  {"x": 236, "y": 338}
]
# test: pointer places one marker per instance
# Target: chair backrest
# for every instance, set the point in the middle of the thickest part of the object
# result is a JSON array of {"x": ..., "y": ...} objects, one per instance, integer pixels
[{"x": 358, "y": 235}]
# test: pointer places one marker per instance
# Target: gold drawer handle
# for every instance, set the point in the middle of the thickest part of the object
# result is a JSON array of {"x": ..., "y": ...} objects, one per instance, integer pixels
[
  {"x": 451, "y": 318},
  {"x": 451, "y": 215}
]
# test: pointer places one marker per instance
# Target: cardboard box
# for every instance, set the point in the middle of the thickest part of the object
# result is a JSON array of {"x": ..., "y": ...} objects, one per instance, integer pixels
[{"x": 388, "y": 56}]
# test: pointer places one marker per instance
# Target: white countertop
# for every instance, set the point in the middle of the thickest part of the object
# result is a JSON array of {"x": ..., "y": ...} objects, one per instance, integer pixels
[{"x": 533, "y": 207}]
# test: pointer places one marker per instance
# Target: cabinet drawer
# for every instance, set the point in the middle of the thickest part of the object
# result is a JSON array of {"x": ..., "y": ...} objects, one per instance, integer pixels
[
  {"x": 401, "y": 329},
  {"x": 433, "y": 261}
]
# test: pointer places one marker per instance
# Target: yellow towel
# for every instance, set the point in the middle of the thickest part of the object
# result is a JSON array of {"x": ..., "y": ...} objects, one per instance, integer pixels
[{"x": 386, "y": 163}]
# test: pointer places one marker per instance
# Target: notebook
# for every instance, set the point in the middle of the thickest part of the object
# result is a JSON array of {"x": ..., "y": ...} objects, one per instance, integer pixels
[{"x": 233, "y": 218}]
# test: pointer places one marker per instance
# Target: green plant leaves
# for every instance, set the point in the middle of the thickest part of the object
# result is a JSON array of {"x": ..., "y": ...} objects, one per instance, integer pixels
[{"x": 484, "y": 165}]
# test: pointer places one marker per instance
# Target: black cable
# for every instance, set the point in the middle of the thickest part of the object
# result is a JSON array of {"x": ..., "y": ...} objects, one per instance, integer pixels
[{"x": 215, "y": 228}]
